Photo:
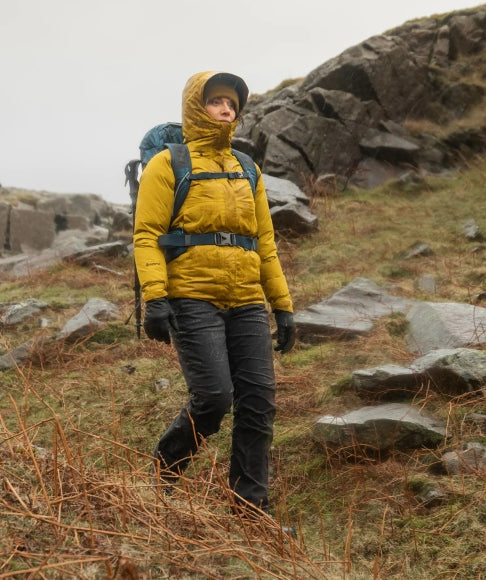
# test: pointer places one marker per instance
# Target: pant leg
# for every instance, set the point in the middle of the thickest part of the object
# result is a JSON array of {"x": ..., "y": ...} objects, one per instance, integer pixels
[
  {"x": 251, "y": 360},
  {"x": 201, "y": 346}
]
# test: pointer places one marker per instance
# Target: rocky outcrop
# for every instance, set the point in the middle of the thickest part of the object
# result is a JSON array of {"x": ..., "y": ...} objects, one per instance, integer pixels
[
  {"x": 39, "y": 229},
  {"x": 348, "y": 115}
]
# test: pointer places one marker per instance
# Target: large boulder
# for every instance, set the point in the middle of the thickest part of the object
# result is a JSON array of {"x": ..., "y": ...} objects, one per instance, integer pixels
[
  {"x": 31, "y": 229},
  {"x": 393, "y": 426}
]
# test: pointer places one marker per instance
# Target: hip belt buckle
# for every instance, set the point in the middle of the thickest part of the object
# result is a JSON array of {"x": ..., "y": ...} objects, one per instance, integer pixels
[{"x": 225, "y": 239}]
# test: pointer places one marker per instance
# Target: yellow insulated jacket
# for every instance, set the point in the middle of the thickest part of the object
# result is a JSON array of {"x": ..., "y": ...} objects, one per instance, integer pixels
[{"x": 226, "y": 276}]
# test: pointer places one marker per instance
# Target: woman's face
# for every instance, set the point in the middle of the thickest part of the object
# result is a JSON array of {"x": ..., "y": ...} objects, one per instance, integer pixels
[{"x": 221, "y": 109}]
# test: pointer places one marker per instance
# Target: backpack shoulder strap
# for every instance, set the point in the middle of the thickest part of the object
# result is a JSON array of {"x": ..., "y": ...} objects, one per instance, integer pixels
[
  {"x": 181, "y": 166},
  {"x": 248, "y": 165}
]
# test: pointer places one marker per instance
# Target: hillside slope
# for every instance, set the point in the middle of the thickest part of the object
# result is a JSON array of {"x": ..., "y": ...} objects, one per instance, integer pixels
[{"x": 78, "y": 425}]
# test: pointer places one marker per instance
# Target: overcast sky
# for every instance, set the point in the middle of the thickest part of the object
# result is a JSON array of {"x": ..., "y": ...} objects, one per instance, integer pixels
[{"x": 81, "y": 82}]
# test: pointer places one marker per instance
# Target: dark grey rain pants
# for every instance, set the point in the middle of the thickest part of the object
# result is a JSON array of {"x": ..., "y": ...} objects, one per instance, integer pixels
[{"x": 227, "y": 360}]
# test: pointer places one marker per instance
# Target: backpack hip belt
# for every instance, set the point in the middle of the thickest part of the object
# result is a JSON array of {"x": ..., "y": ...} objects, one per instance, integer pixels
[{"x": 179, "y": 239}]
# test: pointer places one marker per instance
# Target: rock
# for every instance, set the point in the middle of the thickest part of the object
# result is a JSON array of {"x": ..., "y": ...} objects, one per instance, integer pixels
[
  {"x": 427, "y": 493},
  {"x": 110, "y": 250},
  {"x": 471, "y": 231},
  {"x": 370, "y": 173},
  {"x": 282, "y": 192},
  {"x": 481, "y": 297},
  {"x": 386, "y": 381},
  {"x": 461, "y": 97},
  {"x": 349, "y": 312},
  {"x": 447, "y": 371},
  {"x": 380, "y": 428},
  {"x": 388, "y": 147},
  {"x": 427, "y": 283},
  {"x": 24, "y": 352},
  {"x": 435, "y": 325},
  {"x": 289, "y": 207},
  {"x": 28, "y": 263},
  {"x": 470, "y": 459},
  {"x": 467, "y": 33},
  {"x": 76, "y": 222},
  {"x": 161, "y": 384},
  {"x": 4, "y": 221},
  {"x": 30, "y": 229},
  {"x": 129, "y": 369},
  {"x": 453, "y": 371},
  {"x": 71, "y": 242},
  {"x": 122, "y": 221},
  {"x": 293, "y": 219},
  {"x": 365, "y": 71},
  {"x": 478, "y": 419},
  {"x": 89, "y": 319},
  {"x": 417, "y": 250},
  {"x": 15, "y": 313}
]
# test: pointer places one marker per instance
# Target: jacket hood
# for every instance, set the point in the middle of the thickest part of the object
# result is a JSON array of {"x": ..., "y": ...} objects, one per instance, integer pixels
[{"x": 197, "y": 123}]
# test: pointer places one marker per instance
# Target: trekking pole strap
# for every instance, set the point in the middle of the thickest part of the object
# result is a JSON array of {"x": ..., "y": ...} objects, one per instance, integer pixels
[{"x": 179, "y": 239}]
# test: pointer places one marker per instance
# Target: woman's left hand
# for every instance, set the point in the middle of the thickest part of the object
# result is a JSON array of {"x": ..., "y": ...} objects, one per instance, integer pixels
[{"x": 285, "y": 330}]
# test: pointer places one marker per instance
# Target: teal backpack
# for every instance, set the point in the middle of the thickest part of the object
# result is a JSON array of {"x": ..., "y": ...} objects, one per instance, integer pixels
[{"x": 175, "y": 242}]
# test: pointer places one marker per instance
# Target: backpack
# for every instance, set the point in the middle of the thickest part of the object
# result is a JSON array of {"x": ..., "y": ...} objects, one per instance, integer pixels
[{"x": 175, "y": 242}]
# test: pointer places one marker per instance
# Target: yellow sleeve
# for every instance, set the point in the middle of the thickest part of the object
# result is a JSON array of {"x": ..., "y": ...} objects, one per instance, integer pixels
[
  {"x": 271, "y": 275},
  {"x": 152, "y": 219}
]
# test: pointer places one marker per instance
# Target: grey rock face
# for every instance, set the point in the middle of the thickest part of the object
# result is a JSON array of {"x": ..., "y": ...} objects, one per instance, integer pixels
[
  {"x": 386, "y": 381},
  {"x": 380, "y": 428},
  {"x": 293, "y": 219},
  {"x": 470, "y": 459},
  {"x": 282, "y": 191},
  {"x": 427, "y": 283},
  {"x": 349, "y": 111},
  {"x": 4, "y": 220},
  {"x": 472, "y": 232},
  {"x": 13, "y": 314},
  {"x": 88, "y": 319},
  {"x": 289, "y": 207},
  {"x": 22, "y": 353},
  {"x": 453, "y": 371},
  {"x": 31, "y": 229},
  {"x": 349, "y": 312},
  {"x": 434, "y": 325},
  {"x": 446, "y": 371}
]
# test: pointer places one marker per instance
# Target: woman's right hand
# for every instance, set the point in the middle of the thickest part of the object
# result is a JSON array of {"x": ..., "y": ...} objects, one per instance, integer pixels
[{"x": 158, "y": 320}]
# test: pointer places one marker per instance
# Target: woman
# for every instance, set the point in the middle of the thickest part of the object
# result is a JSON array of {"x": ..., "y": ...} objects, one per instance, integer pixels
[{"x": 211, "y": 298}]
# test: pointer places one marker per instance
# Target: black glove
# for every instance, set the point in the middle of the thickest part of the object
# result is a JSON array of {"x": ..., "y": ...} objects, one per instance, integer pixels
[
  {"x": 285, "y": 330},
  {"x": 159, "y": 318}
]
